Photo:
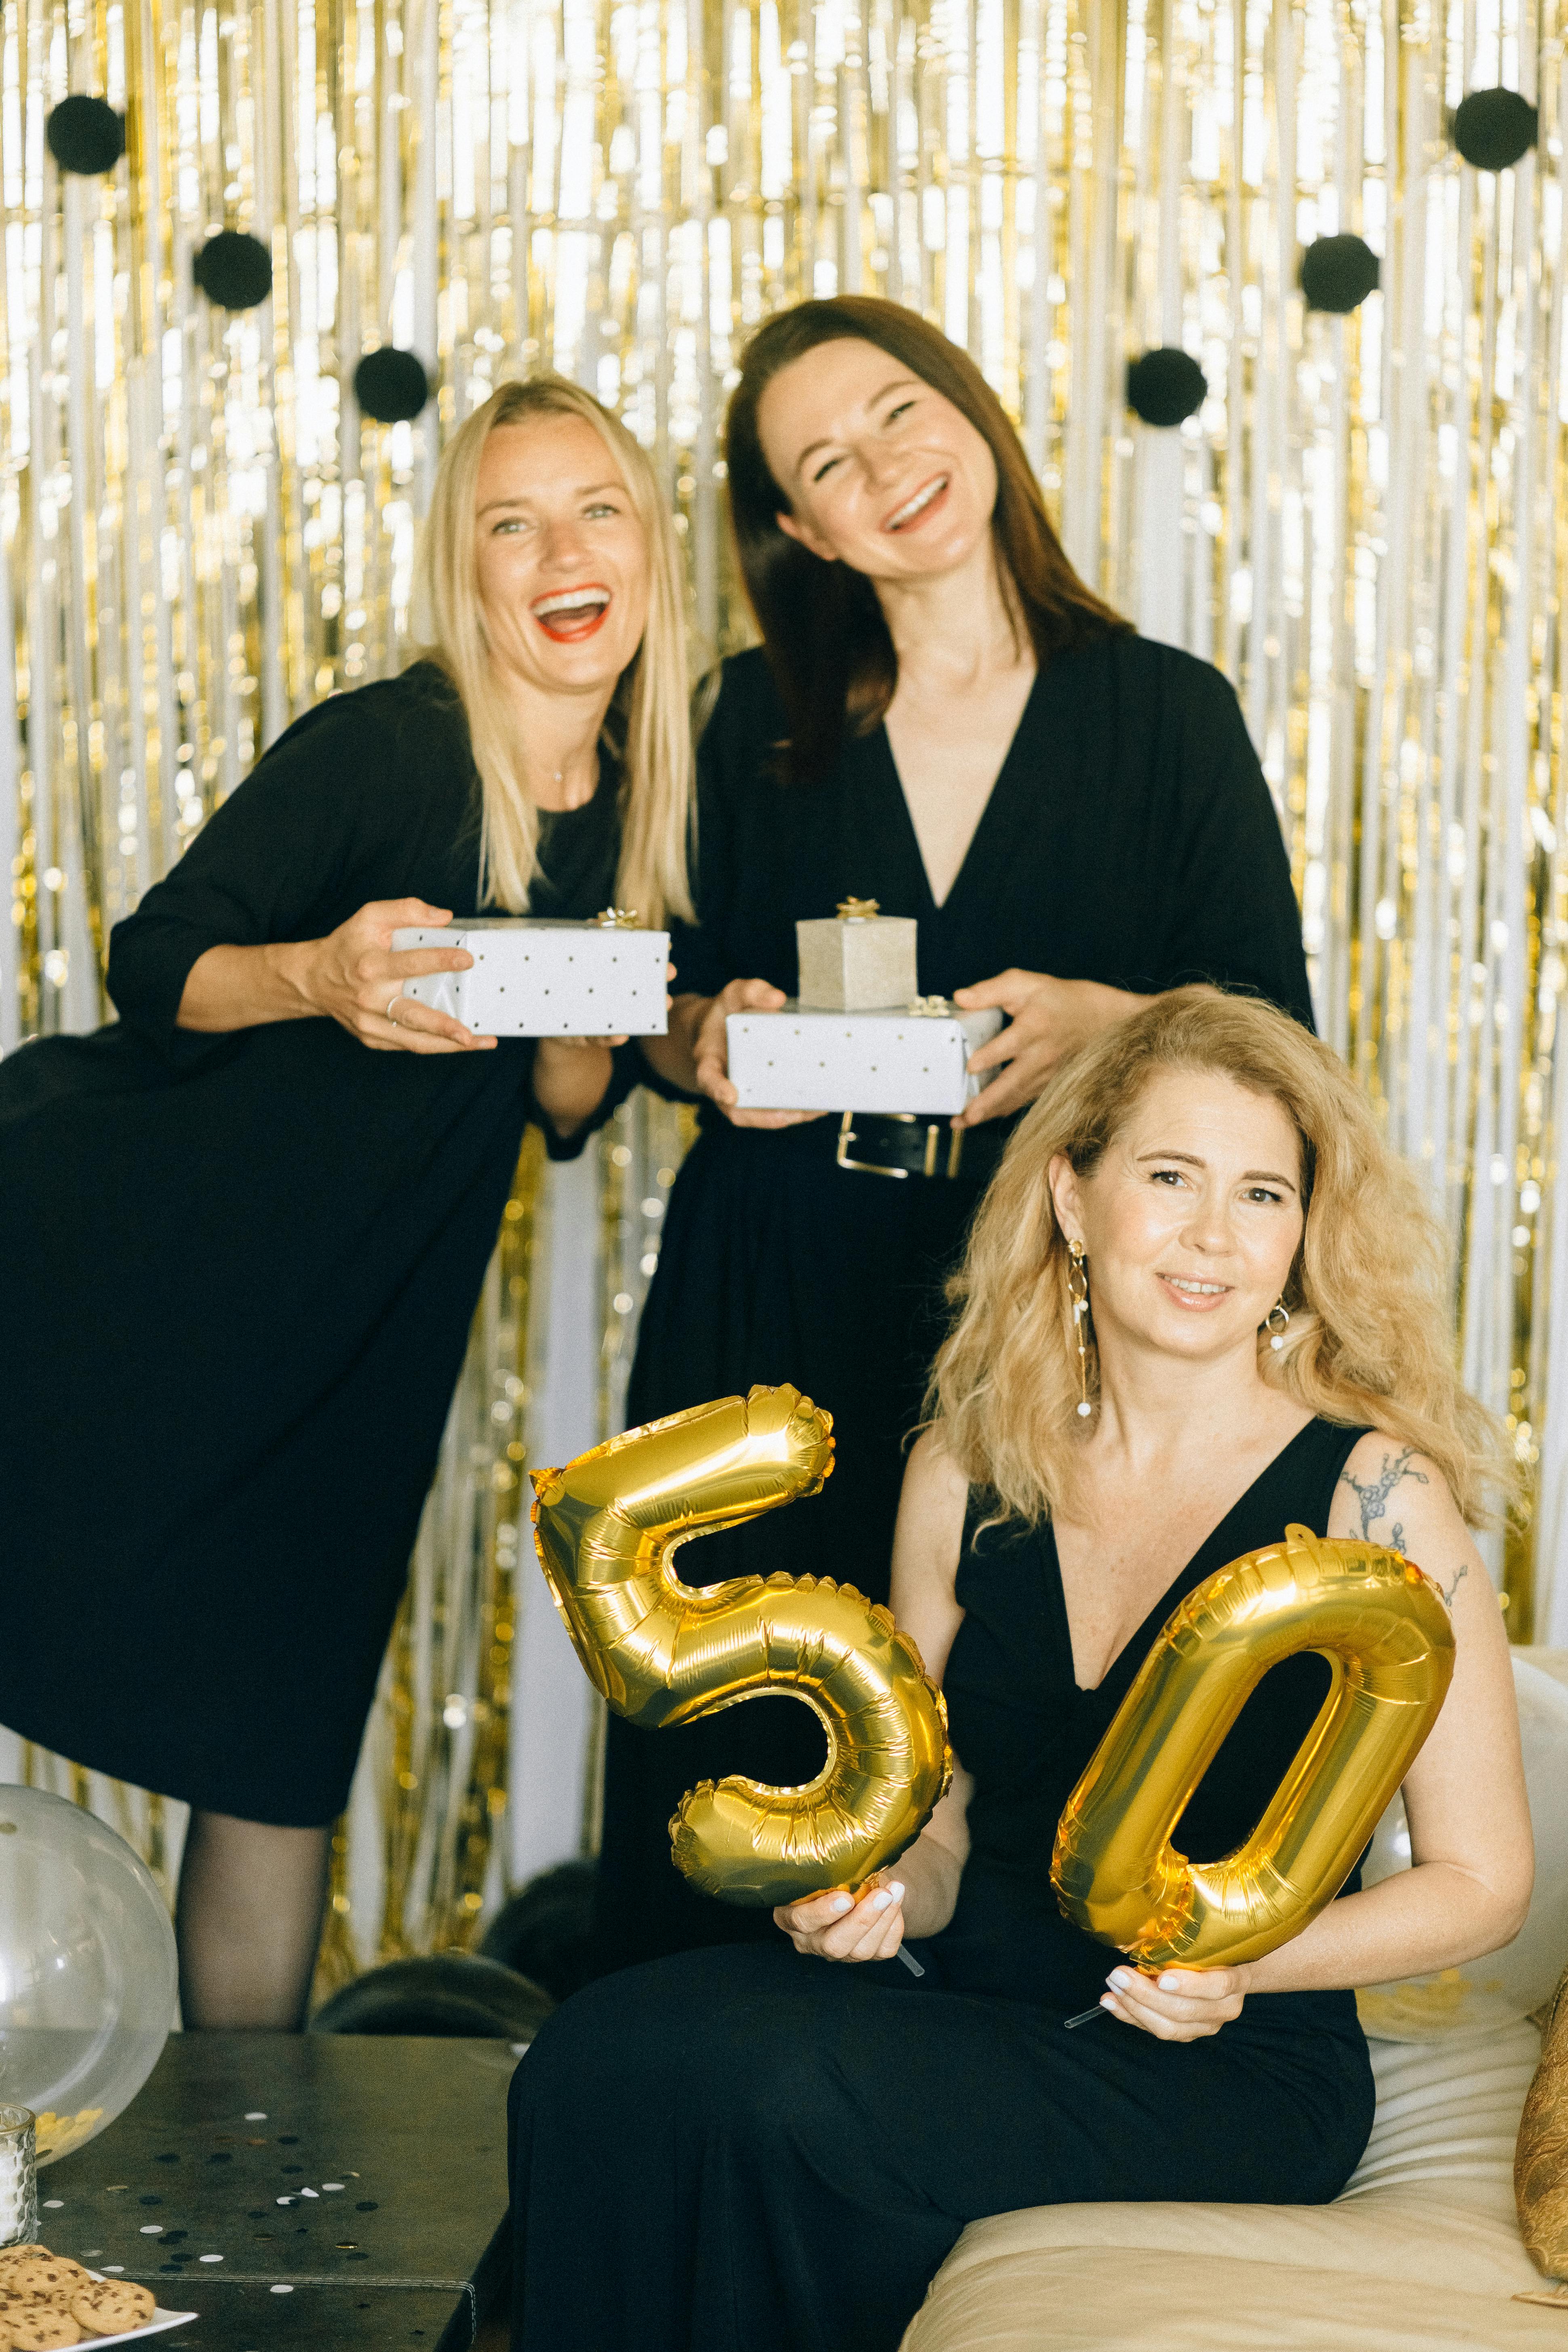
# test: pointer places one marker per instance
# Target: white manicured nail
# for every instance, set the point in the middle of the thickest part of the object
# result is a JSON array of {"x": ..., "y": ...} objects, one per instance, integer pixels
[
  {"x": 879, "y": 1901},
  {"x": 841, "y": 1903},
  {"x": 896, "y": 1891}
]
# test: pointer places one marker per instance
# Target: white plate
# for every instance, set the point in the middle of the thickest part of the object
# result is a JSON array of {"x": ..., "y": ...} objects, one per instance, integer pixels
[{"x": 160, "y": 2320}]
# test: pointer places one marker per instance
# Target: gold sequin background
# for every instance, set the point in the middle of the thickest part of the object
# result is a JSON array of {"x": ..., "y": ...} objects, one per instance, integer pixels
[{"x": 1363, "y": 524}]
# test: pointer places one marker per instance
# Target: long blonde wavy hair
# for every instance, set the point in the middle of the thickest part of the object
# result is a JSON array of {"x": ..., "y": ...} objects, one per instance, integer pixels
[
  {"x": 645, "y": 727},
  {"x": 1369, "y": 1341}
]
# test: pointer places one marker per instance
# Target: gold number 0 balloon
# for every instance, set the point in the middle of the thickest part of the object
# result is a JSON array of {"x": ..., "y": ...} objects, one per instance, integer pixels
[
  {"x": 661, "y": 1651},
  {"x": 1384, "y": 1628}
]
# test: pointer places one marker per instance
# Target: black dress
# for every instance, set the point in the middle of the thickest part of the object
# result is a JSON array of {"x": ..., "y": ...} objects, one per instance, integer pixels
[
  {"x": 1129, "y": 839},
  {"x": 752, "y": 2151},
  {"x": 237, "y": 1273}
]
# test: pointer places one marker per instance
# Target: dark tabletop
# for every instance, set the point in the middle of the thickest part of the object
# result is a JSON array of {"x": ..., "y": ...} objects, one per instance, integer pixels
[{"x": 351, "y": 2185}]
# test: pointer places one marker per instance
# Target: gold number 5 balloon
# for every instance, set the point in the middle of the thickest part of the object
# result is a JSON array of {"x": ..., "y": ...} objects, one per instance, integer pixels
[
  {"x": 606, "y": 1529},
  {"x": 1384, "y": 1628}
]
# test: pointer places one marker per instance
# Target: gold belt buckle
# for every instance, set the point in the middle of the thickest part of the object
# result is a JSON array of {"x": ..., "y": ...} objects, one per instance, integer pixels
[{"x": 847, "y": 1135}]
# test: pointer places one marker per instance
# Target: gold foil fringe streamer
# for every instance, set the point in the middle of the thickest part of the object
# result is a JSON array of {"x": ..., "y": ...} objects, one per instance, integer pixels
[
  {"x": 1363, "y": 524},
  {"x": 640, "y": 1152}
]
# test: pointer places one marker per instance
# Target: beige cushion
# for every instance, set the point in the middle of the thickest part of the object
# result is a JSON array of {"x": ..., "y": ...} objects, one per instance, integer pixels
[
  {"x": 1073, "y": 2300},
  {"x": 1541, "y": 2159},
  {"x": 1551, "y": 1662},
  {"x": 1421, "y": 2251}
]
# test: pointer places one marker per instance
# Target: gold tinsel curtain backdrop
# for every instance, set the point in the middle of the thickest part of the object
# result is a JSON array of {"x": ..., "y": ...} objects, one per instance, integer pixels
[{"x": 1360, "y": 516}]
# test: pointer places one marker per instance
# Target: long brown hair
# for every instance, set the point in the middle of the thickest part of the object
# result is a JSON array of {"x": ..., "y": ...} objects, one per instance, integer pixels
[
  {"x": 1370, "y": 1338},
  {"x": 827, "y": 643}
]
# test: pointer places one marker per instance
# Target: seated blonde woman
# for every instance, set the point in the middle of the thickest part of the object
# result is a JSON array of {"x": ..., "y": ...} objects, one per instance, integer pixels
[{"x": 766, "y": 2148}]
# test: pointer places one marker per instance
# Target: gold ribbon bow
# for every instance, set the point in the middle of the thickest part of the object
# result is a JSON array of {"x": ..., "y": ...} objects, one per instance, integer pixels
[
  {"x": 856, "y": 911},
  {"x": 618, "y": 918}
]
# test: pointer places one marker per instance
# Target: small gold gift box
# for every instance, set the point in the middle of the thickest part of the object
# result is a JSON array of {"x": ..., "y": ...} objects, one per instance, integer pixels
[{"x": 858, "y": 960}]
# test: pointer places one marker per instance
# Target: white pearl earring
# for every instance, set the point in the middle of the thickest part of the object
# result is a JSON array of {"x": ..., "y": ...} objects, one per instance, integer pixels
[{"x": 1077, "y": 1291}]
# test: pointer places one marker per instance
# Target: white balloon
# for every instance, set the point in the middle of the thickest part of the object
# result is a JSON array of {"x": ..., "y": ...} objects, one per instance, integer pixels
[
  {"x": 1509, "y": 1984},
  {"x": 88, "y": 1971}
]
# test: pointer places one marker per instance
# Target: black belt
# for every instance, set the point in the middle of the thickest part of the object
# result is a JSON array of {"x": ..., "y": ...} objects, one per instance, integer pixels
[{"x": 900, "y": 1144}]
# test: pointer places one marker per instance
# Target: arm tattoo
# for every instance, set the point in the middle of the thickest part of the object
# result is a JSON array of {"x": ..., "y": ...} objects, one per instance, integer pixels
[
  {"x": 1374, "y": 1496},
  {"x": 1460, "y": 1575}
]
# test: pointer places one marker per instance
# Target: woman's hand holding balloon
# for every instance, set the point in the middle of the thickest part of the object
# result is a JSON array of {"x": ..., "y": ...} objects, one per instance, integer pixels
[
  {"x": 1177, "y": 2005},
  {"x": 838, "y": 1926}
]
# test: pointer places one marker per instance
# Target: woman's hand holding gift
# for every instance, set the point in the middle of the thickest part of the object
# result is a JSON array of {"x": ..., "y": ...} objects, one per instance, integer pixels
[
  {"x": 354, "y": 976},
  {"x": 1046, "y": 1020},
  {"x": 696, "y": 1053}
]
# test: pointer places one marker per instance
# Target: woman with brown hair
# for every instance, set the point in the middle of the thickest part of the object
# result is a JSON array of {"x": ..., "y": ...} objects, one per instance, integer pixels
[
  {"x": 781, "y": 2146},
  {"x": 943, "y": 718},
  {"x": 245, "y": 1226}
]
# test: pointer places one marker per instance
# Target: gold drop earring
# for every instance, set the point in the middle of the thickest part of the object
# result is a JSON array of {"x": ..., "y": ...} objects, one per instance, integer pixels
[
  {"x": 1077, "y": 1291},
  {"x": 1276, "y": 1333}
]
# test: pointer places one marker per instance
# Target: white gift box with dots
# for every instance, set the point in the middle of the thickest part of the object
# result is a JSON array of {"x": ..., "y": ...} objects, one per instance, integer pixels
[
  {"x": 532, "y": 978},
  {"x": 899, "y": 1061}
]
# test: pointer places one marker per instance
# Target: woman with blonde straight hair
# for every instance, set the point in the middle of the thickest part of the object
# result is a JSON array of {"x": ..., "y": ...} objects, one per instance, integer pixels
[
  {"x": 1199, "y": 1198},
  {"x": 645, "y": 724},
  {"x": 260, "y": 1205}
]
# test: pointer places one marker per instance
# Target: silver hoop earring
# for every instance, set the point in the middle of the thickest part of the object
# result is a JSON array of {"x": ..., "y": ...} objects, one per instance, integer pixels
[
  {"x": 1276, "y": 1333},
  {"x": 1077, "y": 1291}
]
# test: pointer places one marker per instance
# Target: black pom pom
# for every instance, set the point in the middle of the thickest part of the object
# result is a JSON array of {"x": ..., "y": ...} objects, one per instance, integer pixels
[
  {"x": 85, "y": 134},
  {"x": 391, "y": 386},
  {"x": 233, "y": 270},
  {"x": 1493, "y": 128},
  {"x": 1165, "y": 385},
  {"x": 1338, "y": 272}
]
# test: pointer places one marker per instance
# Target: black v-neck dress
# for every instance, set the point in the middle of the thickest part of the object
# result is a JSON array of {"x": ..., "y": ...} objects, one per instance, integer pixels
[
  {"x": 1129, "y": 839},
  {"x": 754, "y": 2151},
  {"x": 236, "y": 1274}
]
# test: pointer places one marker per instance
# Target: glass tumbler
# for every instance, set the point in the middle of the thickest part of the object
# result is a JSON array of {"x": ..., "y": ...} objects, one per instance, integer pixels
[{"x": 18, "y": 2178}]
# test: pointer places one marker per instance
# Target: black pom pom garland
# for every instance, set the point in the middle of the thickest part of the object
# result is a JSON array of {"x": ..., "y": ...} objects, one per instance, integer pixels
[
  {"x": 85, "y": 134},
  {"x": 1493, "y": 128},
  {"x": 234, "y": 271},
  {"x": 1165, "y": 385},
  {"x": 391, "y": 386},
  {"x": 1338, "y": 273}
]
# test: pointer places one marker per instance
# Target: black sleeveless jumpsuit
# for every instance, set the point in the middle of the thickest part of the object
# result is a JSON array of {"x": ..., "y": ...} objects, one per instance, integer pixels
[{"x": 747, "y": 2150}]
